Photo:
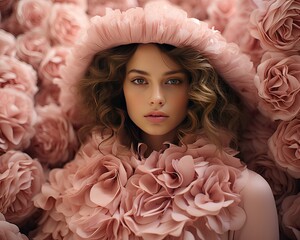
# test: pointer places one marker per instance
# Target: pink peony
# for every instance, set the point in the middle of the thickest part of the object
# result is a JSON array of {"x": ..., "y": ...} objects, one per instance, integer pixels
[
  {"x": 17, "y": 75},
  {"x": 67, "y": 23},
  {"x": 55, "y": 141},
  {"x": 285, "y": 146},
  {"x": 281, "y": 183},
  {"x": 20, "y": 179},
  {"x": 276, "y": 25},
  {"x": 278, "y": 85},
  {"x": 17, "y": 117},
  {"x": 33, "y": 13},
  {"x": 49, "y": 68},
  {"x": 7, "y": 44},
  {"x": 9, "y": 230},
  {"x": 32, "y": 46},
  {"x": 290, "y": 210}
]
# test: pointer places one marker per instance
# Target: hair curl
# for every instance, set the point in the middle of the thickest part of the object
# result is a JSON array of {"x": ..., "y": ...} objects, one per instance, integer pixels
[{"x": 213, "y": 106}]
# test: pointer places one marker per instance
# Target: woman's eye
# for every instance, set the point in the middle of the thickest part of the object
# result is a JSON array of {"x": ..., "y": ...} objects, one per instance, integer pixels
[
  {"x": 139, "y": 81},
  {"x": 173, "y": 81}
]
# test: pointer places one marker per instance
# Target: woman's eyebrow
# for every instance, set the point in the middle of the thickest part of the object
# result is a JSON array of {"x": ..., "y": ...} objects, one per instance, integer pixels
[
  {"x": 166, "y": 73},
  {"x": 138, "y": 71}
]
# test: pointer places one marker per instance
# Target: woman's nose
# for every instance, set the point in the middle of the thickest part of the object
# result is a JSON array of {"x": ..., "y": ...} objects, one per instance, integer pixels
[{"x": 157, "y": 97}]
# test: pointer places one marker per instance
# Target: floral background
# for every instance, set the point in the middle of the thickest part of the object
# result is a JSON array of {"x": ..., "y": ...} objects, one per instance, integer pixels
[{"x": 36, "y": 135}]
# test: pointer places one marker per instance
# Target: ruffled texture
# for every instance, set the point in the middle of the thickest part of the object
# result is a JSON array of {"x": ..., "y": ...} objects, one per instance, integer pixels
[
  {"x": 169, "y": 25},
  {"x": 107, "y": 190},
  {"x": 22, "y": 177},
  {"x": 17, "y": 117},
  {"x": 55, "y": 141}
]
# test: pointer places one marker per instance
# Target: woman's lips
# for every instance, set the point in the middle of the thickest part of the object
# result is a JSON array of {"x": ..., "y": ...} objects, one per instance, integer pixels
[{"x": 156, "y": 117}]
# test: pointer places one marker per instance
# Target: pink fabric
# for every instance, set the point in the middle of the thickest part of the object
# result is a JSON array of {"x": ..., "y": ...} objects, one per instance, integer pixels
[
  {"x": 102, "y": 192},
  {"x": 169, "y": 25}
]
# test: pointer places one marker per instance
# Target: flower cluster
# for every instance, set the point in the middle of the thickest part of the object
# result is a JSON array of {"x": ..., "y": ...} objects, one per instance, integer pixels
[
  {"x": 180, "y": 184},
  {"x": 162, "y": 195},
  {"x": 275, "y": 26}
]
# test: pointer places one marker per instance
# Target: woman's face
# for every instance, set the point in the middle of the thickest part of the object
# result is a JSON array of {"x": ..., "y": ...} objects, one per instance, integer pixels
[{"x": 156, "y": 92}]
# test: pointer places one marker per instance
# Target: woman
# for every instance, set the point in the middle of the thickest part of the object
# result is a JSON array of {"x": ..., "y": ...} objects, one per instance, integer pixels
[{"x": 157, "y": 159}]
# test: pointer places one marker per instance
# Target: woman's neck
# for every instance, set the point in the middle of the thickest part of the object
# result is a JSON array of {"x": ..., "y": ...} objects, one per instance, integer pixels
[{"x": 155, "y": 143}]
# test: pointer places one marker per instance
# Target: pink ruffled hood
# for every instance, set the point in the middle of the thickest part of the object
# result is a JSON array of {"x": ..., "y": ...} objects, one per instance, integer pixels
[{"x": 159, "y": 22}]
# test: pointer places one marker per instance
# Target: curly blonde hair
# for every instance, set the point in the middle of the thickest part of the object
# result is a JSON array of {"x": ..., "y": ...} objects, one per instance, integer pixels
[{"x": 213, "y": 106}]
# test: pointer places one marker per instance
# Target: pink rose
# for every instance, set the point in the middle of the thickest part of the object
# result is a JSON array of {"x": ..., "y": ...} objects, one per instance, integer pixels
[
  {"x": 290, "y": 210},
  {"x": 21, "y": 178},
  {"x": 17, "y": 75},
  {"x": 281, "y": 183},
  {"x": 32, "y": 46},
  {"x": 276, "y": 25},
  {"x": 278, "y": 85},
  {"x": 49, "y": 68},
  {"x": 7, "y": 43},
  {"x": 9, "y": 230},
  {"x": 33, "y": 13},
  {"x": 55, "y": 141},
  {"x": 284, "y": 145},
  {"x": 220, "y": 12},
  {"x": 17, "y": 117},
  {"x": 67, "y": 22}
]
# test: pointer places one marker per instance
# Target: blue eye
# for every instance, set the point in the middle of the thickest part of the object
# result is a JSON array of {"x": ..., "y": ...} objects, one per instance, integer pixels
[
  {"x": 139, "y": 81},
  {"x": 173, "y": 81}
]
